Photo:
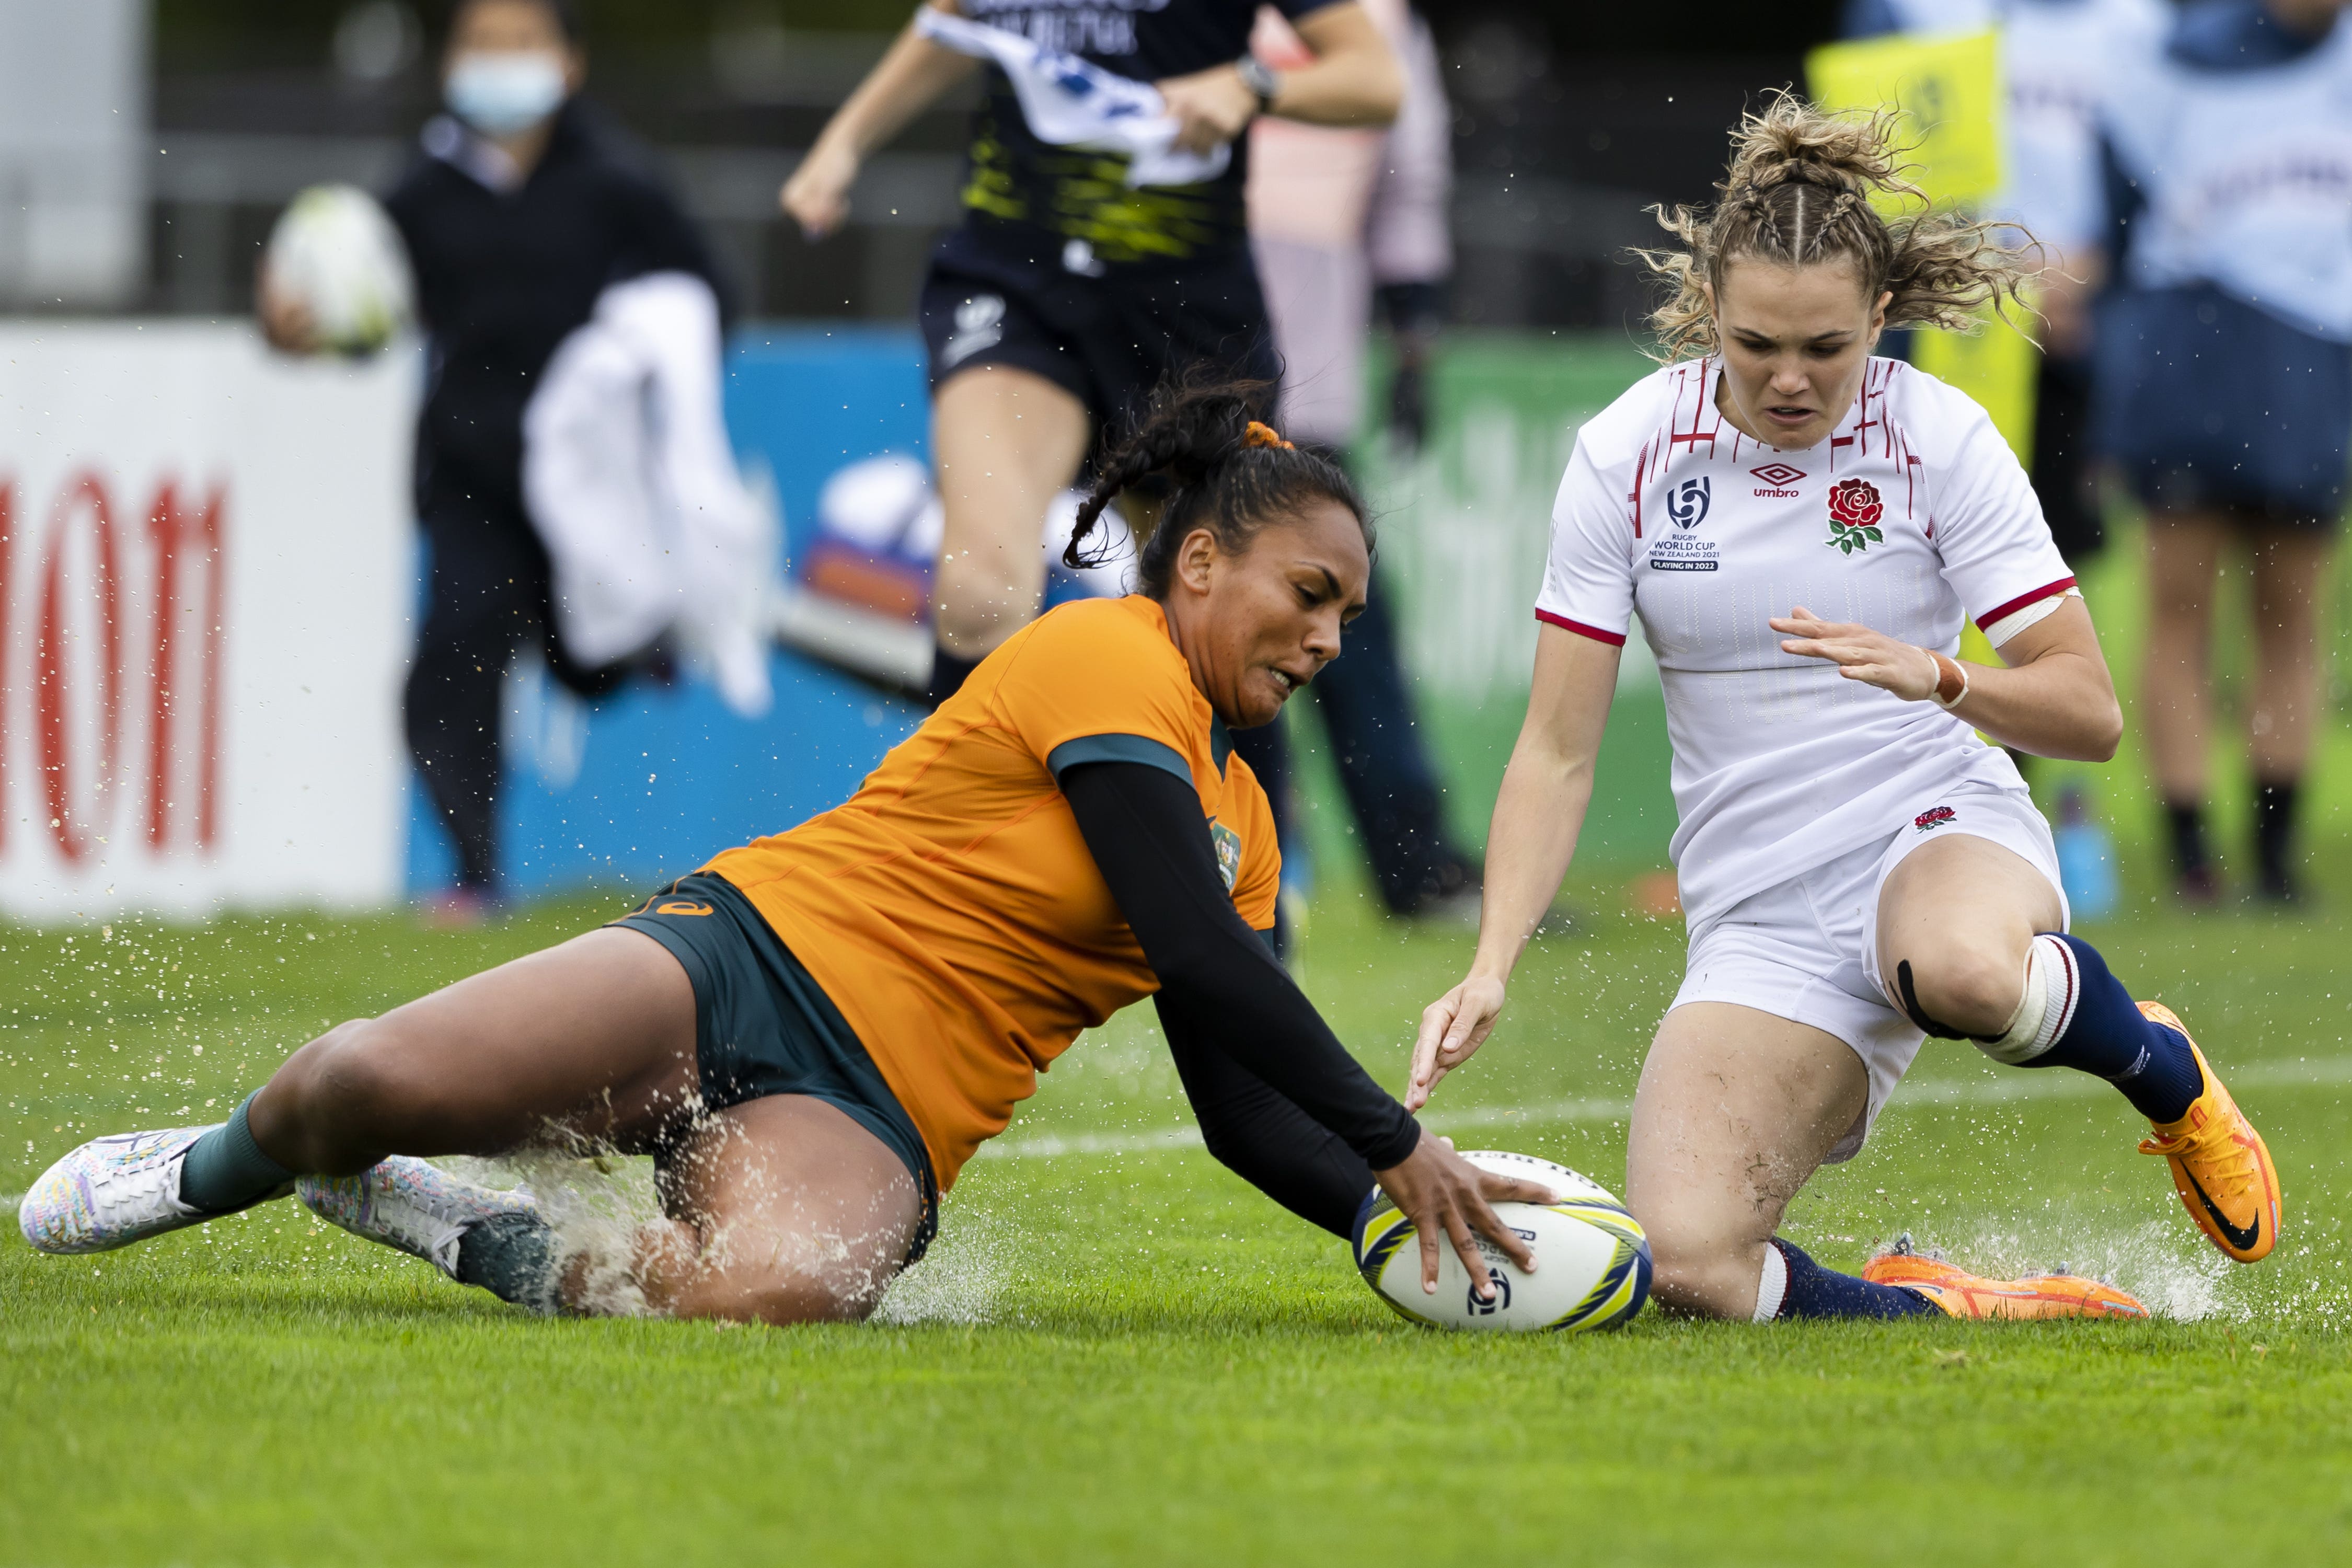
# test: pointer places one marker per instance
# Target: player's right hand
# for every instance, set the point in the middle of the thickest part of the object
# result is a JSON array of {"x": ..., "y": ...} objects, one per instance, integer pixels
[
  {"x": 1452, "y": 1027},
  {"x": 817, "y": 195},
  {"x": 286, "y": 323},
  {"x": 1445, "y": 1195}
]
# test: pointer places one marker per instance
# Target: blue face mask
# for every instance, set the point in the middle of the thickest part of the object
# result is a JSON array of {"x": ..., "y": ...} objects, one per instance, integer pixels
[{"x": 504, "y": 94}]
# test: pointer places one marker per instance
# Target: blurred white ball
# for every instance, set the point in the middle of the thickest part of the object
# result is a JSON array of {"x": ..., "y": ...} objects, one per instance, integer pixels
[
  {"x": 335, "y": 253},
  {"x": 883, "y": 505}
]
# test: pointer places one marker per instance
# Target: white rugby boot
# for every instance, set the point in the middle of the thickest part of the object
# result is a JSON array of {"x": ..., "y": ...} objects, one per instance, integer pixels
[
  {"x": 406, "y": 1204},
  {"x": 111, "y": 1192}
]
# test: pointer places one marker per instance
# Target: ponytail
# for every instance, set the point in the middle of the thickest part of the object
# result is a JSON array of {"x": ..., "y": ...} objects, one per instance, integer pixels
[
  {"x": 1798, "y": 191},
  {"x": 1230, "y": 472}
]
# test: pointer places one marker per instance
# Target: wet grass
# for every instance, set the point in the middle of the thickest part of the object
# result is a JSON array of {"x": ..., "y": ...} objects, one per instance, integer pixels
[{"x": 1118, "y": 1354}]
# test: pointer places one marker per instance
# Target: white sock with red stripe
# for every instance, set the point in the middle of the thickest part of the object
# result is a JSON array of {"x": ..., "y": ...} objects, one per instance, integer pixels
[{"x": 2074, "y": 1014}]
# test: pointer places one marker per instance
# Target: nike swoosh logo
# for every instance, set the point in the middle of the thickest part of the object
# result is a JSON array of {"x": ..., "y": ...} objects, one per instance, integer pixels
[{"x": 2243, "y": 1239}]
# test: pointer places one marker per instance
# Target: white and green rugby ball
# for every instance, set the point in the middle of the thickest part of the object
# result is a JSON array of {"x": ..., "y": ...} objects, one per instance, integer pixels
[
  {"x": 336, "y": 252},
  {"x": 1593, "y": 1259}
]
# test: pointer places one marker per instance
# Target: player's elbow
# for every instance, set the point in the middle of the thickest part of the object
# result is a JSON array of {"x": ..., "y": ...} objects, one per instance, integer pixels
[
  {"x": 2107, "y": 733},
  {"x": 2100, "y": 734}
]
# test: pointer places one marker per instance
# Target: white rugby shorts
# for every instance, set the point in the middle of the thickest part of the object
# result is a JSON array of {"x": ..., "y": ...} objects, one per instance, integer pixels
[{"x": 1807, "y": 950}]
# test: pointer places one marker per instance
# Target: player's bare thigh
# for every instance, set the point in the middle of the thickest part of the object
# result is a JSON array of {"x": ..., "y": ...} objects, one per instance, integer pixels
[
  {"x": 1961, "y": 912},
  {"x": 595, "y": 1038},
  {"x": 783, "y": 1210},
  {"x": 1006, "y": 442},
  {"x": 1736, "y": 1111}
]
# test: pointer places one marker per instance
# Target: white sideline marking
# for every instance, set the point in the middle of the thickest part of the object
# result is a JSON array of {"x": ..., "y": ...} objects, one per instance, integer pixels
[{"x": 2050, "y": 1083}]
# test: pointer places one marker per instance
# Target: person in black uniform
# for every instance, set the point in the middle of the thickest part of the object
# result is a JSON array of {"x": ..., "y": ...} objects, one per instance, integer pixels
[
  {"x": 521, "y": 208},
  {"x": 1067, "y": 295}
]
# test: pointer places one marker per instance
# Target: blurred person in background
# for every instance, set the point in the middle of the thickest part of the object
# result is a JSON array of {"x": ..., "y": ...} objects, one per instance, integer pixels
[
  {"x": 522, "y": 207},
  {"x": 1068, "y": 292},
  {"x": 2225, "y": 379},
  {"x": 1338, "y": 219},
  {"x": 2054, "y": 56}
]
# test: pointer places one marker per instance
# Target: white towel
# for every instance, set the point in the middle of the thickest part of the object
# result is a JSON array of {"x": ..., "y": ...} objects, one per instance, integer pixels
[
  {"x": 1073, "y": 102},
  {"x": 632, "y": 484}
]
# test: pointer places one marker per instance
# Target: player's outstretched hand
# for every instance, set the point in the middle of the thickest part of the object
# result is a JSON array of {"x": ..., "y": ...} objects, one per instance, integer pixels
[
  {"x": 1904, "y": 669},
  {"x": 1444, "y": 1194},
  {"x": 817, "y": 195},
  {"x": 1209, "y": 107},
  {"x": 1452, "y": 1027}
]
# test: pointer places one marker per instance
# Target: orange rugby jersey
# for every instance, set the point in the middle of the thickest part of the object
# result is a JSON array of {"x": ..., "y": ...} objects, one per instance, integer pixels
[{"x": 951, "y": 910}]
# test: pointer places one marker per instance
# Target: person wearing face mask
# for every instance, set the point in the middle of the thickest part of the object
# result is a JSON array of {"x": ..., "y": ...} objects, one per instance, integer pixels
[{"x": 523, "y": 207}]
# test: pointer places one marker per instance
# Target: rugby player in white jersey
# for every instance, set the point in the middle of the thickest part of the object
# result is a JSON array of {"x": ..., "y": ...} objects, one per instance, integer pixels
[{"x": 1802, "y": 528}]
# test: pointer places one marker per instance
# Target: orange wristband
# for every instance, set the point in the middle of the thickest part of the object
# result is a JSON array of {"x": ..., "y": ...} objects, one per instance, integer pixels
[{"x": 1951, "y": 680}]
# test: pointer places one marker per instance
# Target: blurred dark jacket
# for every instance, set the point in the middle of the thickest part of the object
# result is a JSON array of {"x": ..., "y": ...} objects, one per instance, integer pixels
[{"x": 506, "y": 270}]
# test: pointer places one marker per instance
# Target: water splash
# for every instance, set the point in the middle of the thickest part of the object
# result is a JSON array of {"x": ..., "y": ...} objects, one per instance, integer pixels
[
  {"x": 2176, "y": 1277},
  {"x": 597, "y": 1203},
  {"x": 963, "y": 1276}
]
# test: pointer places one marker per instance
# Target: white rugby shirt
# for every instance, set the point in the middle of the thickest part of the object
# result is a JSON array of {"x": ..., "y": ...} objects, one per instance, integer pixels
[{"x": 1911, "y": 514}]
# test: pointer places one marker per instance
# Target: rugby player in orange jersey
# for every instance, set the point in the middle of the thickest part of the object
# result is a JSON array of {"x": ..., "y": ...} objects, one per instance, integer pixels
[{"x": 813, "y": 1033}]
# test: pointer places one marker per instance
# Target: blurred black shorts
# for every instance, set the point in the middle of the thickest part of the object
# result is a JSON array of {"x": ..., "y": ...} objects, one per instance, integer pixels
[
  {"x": 763, "y": 1026},
  {"x": 1003, "y": 299},
  {"x": 2207, "y": 403}
]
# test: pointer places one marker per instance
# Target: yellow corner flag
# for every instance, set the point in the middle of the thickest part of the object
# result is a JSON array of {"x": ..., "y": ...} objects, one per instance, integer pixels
[
  {"x": 1949, "y": 91},
  {"x": 1947, "y": 88}
]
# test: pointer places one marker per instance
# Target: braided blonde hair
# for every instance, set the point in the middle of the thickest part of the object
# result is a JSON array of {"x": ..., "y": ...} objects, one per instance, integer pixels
[{"x": 1799, "y": 192}]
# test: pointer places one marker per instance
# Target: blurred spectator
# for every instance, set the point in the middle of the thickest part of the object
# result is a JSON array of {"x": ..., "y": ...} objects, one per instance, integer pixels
[
  {"x": 1082, "y": 275},
  {"x": 2053, "y": 54},
  {"x": 1336, "y": 217},
  {"x": 2225, "y": 379},
  {"x": 522, "y": 207}
]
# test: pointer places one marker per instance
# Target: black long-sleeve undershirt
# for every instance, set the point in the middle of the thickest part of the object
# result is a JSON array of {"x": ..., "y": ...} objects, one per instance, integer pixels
[{"x": 1279, "y": 1099}]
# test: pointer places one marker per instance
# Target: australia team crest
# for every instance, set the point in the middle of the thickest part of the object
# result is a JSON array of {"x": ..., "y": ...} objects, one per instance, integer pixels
[
  {"x": 1229, "y": 852},
  {"x": 1855, "y": 511}
]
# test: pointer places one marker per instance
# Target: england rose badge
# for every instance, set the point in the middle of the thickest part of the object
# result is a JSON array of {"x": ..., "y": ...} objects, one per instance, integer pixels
[{"x": 1854, "y": 511}]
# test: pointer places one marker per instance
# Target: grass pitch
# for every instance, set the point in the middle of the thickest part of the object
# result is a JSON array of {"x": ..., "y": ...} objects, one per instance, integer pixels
[{"x": 1119, "y": 1353}]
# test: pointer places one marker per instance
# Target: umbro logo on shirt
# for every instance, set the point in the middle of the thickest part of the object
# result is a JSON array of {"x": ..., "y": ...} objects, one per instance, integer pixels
[{"x": 1777, "y": 478}]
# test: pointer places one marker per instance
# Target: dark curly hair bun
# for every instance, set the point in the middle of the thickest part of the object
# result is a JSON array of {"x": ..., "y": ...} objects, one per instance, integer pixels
[{"x": 1229, "y": 473}]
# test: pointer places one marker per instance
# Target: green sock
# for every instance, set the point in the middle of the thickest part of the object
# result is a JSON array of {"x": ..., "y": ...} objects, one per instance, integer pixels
[{"x": 226, "y": 1170}]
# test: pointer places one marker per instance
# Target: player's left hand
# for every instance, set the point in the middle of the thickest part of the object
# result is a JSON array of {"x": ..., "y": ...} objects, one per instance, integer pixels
[
  {"x": 1904, "y": 669},
  {"x": 1209, "y": 107},
  {"x": 1448, "y": 1200}
]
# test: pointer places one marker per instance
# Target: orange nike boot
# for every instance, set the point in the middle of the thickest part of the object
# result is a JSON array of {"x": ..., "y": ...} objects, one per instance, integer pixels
[
  {"x": 1965, "y": 1295},
  {"x": 2218, "y": 1162}
]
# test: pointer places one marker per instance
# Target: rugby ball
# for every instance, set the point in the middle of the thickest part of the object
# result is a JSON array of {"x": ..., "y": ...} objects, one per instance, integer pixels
[
  {"x": 335, "y": 251},
  {"x": 1593, "y": 1259}
]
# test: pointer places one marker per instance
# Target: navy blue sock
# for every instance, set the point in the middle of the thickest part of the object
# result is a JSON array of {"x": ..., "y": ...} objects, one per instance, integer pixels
[
  {"x": 1814, "y": 1291},
  {"x": 2107, "y": 1037}
]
